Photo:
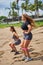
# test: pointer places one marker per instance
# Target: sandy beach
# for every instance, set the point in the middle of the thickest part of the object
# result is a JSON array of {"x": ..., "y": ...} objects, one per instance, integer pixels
[{"x": 36, "y": 48}]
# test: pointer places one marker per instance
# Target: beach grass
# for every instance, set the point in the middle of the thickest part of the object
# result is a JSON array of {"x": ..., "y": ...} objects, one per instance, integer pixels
[
  {"x": 38, "y": 24},
  {"x": 8, "y": 25}
]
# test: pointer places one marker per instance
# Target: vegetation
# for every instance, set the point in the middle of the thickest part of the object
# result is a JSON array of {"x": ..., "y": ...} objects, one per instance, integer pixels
[
  {"x": 38, "y": 24},
  {"x": 12, "y": 9},
  {"x": 8, "y": 25},
  {"x": 38, "y": 5},
  {"x": 2, "y": 17},
  {"x": 27, "y": 6}
]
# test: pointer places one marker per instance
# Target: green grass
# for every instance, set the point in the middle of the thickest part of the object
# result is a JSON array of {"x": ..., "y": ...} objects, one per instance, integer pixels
[
  {"x": 8, "y": 25},
  {"x": 38, "y": 24}
]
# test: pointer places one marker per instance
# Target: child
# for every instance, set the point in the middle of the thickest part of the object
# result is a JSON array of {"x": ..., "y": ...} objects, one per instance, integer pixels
[
  {"x": 16, "y": 39},
  {"x": 27, "y": 26}
]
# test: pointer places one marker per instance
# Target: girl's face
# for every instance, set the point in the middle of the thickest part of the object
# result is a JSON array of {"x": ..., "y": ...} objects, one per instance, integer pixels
[
  {"x": 11, "y": 29},
  {"x": 23, "y": 18}
]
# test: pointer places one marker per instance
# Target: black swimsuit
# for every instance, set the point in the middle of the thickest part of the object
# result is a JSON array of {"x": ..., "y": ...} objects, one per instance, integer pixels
[
  {"x": 25, "y": 27},
  {"x": 16, "y": 41}
]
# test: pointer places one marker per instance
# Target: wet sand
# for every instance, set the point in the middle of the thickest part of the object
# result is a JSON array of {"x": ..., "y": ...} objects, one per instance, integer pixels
[{"x": 35, "y": 48}]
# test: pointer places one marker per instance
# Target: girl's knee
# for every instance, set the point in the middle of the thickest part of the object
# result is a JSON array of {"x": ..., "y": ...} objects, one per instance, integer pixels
[
  {"x": 21, "y": 46},
  {"x": 10, "y": 44}
]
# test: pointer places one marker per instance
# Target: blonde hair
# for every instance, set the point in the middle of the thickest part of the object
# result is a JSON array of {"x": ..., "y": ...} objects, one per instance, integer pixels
[{"x": 29, "y": 19}]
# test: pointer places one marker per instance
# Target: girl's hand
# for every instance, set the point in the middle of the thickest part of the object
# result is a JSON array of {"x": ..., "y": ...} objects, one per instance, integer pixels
[{"x": 26, "y": 32}]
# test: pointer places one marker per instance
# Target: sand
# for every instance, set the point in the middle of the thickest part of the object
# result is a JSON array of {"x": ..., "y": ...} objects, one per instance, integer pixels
[{"x": 36, "y": 48}]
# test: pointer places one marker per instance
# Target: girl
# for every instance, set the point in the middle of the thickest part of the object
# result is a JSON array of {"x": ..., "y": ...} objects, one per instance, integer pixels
[
  {"x": 16, "y": 39},
  {"x": 27, "y": 25}
]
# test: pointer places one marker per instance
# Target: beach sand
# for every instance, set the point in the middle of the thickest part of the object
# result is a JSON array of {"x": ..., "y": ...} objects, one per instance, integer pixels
[{"x": 35, "y": 48}]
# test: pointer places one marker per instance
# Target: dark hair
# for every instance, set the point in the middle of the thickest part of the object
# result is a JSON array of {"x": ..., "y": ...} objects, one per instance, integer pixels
[
  {"x": 29, "y": 19},
  {"x": 12, "y": 27}
]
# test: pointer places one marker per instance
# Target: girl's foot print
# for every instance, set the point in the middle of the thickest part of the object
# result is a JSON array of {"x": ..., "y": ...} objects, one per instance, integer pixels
[
  {"x": 23, "y": 58},
  {"x": 16, "y": 53},
  {"x": 12, "y": 50}
]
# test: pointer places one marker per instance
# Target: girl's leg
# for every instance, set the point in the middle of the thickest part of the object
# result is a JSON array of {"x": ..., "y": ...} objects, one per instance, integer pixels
[
  {"x": 26, "y": 43},
  {"x": 13, "y": 47},
  {"x": 22, "y": 46},
  {"x": 22, "y": 43},
  {"x": 16, "y": 52}
]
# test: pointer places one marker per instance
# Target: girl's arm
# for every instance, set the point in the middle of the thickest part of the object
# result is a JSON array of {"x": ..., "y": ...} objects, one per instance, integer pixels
[{"x": 15, "y": 34}]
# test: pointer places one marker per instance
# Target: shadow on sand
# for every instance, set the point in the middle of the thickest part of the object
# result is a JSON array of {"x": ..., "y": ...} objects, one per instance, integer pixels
[{"x": 35, "y": 57}]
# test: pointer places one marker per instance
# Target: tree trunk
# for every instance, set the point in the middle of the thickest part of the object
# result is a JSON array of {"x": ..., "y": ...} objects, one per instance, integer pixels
[
  {"x": 37, "y": 9},
  {"x": 22, "y": 11},
  {"x": 37, "y": 13}
]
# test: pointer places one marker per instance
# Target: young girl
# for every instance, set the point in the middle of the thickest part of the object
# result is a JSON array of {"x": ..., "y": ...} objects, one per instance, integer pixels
[
  {"x": 16, "y": 39},
  {"x": 27, "y": 25}
]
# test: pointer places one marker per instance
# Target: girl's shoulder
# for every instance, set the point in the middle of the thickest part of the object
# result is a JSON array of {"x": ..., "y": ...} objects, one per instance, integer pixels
[
  {"x": 28, "y": 22},
  {"x": 14, "y": 33}
]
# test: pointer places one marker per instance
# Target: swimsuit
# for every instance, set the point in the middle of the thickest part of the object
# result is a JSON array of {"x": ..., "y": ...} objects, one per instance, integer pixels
[
  {"x": 16, "y": 41},
  {"x": 25, "y": 27}
]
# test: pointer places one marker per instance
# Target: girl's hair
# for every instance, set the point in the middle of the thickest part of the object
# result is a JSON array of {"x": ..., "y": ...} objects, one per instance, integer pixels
[
  {"x": 12, "y": 27},
  {"x": 29, "y": 19}
]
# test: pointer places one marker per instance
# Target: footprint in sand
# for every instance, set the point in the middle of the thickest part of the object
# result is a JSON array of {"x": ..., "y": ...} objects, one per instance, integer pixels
[
  {"x": 17, "y": 57},
  {"x": 0, "y": 60},
  {"x": 41, "y": 52},
  {"x": 37, "y": 40},
  {"x": 38, "y": 43},
  {"x": 31, "y": 49},
  {"x": 35, "y": 54},
  {"x": 1, "y": 53},
  {"x": 18, "y": 60},
  {"x": 30, "y": 45},
  {"x": 41, "y": 32}
]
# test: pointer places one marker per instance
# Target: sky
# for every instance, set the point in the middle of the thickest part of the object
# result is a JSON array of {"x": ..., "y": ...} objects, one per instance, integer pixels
[{"x": 6, "y": 4}]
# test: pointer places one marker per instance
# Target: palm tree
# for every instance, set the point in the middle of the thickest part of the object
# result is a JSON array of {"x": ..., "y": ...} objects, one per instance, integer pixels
[
  {"x": 40, "y": 4},
  {"x": 13, "y": 7},
  {"x": 31, "y": 8},
  {"x": 25, "y": 5},
  {"x": 17, "y": 6},
  {"x": 36, "y": 6},
  {"x": 22, "y": 6},
  {"x": 9, "y": 14}
]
